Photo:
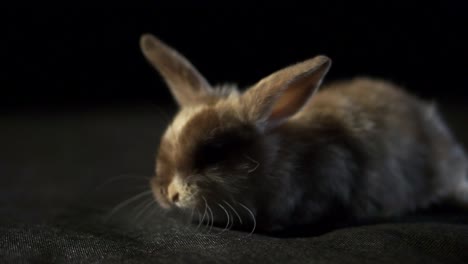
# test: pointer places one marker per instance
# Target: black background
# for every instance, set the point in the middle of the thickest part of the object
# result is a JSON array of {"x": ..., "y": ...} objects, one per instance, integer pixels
[
  {"x": 60, "y": 176},
  {"x": 56, "y": 59}
]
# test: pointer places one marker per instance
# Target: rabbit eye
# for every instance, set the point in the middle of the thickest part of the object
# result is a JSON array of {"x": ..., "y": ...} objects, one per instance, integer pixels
[
  {"x": 212, "y": 153},
  {"x": 217, "y": 145},
  {"x": 222, "y": 149}
]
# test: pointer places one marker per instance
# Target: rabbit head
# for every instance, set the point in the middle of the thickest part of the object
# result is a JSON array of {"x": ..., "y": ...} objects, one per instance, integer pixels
[{"x": 222, "y": 142}]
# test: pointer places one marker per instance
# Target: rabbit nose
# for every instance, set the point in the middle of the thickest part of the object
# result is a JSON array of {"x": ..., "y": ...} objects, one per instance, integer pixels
[
  {"x": 173, "y": 193},
  {"x": 175, "y": 197}
]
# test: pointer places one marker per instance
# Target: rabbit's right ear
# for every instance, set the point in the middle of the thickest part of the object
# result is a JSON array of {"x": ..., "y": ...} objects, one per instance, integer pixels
[
  {"x": 187, "y": 85},
  {"x": 282, "y": 94}
]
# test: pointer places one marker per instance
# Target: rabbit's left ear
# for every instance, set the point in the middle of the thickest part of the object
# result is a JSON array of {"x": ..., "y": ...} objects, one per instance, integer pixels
[
  {"x": 187, "y": 85},
  {"x": 276, "y": 98}
]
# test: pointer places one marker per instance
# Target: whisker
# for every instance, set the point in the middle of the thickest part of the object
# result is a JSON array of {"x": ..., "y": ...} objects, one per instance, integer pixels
[
  {"x": 191, "y": 216},
  {"x": 234, "y": 210},
  {"x": 228, "y": 218},
  {"x": 141, "y": 204},
  {"x": 232, "y": 221},
  {"x": 121, "y": 177},
  {"x": 212, "y": 219},
  {"x": 204, "y": 214},
  {"x": 211, "y": 213},
  {"x": 254, "y": 161},
  {"x": 125, "y": 203},
  {"x": 253, "y": 217},
  {"x": 144, "y": 209},
  {"x": 207, "y": 224},
  {"x": 153, "y": 208},
  {"x": 199, "y": 220}
]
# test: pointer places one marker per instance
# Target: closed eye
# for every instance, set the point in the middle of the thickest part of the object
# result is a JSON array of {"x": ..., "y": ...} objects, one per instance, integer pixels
[
  {"x": 221, "y": 148},
  {"x": 210, "y": 154},
  {"x": 216, "y": 151}
]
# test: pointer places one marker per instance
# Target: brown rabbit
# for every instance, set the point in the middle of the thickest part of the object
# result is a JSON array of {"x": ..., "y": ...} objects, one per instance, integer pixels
[{"x": 280, "y": 154}]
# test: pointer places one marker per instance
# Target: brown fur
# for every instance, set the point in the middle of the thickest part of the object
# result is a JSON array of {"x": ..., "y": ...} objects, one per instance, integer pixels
[{"x": 286, "y": 155}]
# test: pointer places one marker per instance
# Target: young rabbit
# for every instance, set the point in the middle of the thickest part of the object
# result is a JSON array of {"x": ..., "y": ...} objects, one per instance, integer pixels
[{"x": 280, "y": 154}]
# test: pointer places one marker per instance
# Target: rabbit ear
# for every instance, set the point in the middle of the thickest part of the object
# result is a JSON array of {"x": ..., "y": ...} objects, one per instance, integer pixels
[
  {"x": 282, "y": 94},
  {"x": 187, "y": 85}
]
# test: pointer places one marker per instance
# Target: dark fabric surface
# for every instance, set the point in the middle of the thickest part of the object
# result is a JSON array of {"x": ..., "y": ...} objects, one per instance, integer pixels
[{"x": 62, "y": 175}]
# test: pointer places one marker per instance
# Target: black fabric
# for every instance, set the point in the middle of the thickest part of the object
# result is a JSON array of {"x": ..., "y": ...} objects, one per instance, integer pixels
[{"x": 63, "y": 174}]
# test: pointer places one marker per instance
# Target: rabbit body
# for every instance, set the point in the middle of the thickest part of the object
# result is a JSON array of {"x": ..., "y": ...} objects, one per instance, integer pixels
[
  {"x": 366, "y": 148},
  {"x": 282, "y": 154}
]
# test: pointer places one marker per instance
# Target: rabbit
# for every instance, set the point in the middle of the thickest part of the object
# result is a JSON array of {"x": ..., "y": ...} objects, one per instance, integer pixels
[{"x": 281, "y": 154}]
